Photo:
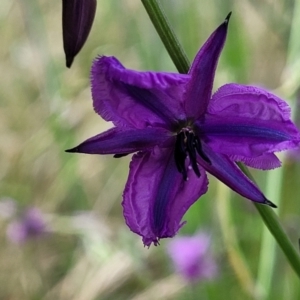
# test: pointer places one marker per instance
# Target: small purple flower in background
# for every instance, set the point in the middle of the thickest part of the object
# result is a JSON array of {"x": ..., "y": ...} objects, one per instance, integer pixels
[
  {"x": 191, "y": 257},
  {"x": 180, "y": 131},
  {"x": 31, "y": 224},
  {"x": 77, "y": 20}
]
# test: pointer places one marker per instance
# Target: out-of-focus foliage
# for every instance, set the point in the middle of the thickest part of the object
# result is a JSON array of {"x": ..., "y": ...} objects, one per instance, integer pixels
[{"x": 46, "y": 108}]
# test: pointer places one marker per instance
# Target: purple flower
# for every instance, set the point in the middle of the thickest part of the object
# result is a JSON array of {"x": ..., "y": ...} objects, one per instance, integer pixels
[
  {"x": 30, "y": 225},
  {"x": 192, "y": 257},
  {"x": 180, "y": 131},
  {"x": 77, "y": 20}
]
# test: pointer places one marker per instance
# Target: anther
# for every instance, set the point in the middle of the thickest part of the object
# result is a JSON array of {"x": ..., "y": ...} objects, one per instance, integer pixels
[{"x": 187, "y": 144}]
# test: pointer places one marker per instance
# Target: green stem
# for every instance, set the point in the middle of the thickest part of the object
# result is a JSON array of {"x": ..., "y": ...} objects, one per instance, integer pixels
[
  {"x": 179, "y": 58},
  {"x": 272, "y": 222}
]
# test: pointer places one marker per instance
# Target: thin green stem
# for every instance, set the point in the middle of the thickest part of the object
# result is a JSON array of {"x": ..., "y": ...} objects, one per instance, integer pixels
[
  {"x": 272, "y": 222},
  {"x": 178, "y": 56}
]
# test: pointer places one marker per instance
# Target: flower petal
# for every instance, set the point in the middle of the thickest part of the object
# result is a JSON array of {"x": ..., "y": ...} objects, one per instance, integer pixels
[
  {"x": 123, "y": 141},
  {"x": 192, "y": 258},
  {"x": 138, "y": 99},
  {"x": 202, "y": 72},
  {"x": 77, "y": 18},
  {"x": 156, "y": 197},
  {"x": 223, "y": 168},
  {"x": 248, "y": 121},
  {"x": 267, "y": 161}
]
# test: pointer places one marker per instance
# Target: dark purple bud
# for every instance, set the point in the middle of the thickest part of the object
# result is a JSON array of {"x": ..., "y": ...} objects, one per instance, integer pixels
[{"x": 77, "y": 21}]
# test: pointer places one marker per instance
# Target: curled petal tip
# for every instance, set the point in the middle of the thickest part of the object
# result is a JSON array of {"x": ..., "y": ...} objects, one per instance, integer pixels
[
  {"x": 267, "y": 202},
  {"x": 73, "y": 150},
  {"x": 120, "y": 155},
  {"x": 227, "y": 18}
]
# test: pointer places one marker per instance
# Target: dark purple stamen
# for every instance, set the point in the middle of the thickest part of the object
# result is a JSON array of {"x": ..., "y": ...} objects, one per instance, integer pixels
[
  {"x": 186, "y": 145},
  {"x": 198, "y": 147},
  {"x": 180, "y": 154}
]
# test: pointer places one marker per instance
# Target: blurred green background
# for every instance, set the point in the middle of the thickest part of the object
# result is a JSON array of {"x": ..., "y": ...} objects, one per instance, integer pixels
[{"x": 46, "y": 108}]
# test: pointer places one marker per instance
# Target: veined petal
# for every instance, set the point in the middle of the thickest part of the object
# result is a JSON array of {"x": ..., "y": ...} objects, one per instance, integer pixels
[
  {"x": 248, "y": 121},
  {"x": 223, "y": 168},
  {"x": 202, "y": 72},
  {"x": 77, "y": 19},
  {"x": 156, "y": 197},
  {"x": 136, "y": 99},
  {"x": 267, "y": 161},
  {"x": 123, "y": 141}
]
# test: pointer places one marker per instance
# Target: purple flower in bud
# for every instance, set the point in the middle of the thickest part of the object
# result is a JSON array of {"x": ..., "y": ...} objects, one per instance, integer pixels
[
  {"x": 31, "y": 224},
  {"x": 77, "y": 21},
  {"x": 191, "y": 257},
  {"x": 180, "y": 131}
]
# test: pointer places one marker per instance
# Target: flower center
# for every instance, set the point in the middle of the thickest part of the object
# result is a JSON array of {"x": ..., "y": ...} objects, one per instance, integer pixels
[{"x": 188, "y": 145}]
